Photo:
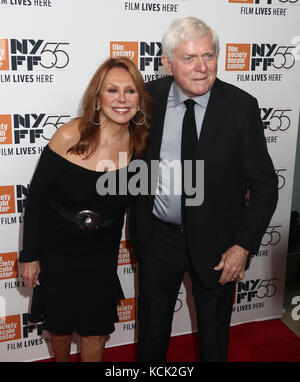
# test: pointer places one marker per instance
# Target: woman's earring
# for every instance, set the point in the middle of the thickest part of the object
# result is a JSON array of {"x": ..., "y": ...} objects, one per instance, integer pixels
[
  {"x": 96, "y": 123},
  {"x": 97, "y": 109},
  {"x": 139, "y": 123}
]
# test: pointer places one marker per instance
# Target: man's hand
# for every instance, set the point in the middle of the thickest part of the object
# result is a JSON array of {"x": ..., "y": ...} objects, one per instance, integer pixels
[
  {"x": 30, "y": 273},
  {"x": 233, "y": 264}
]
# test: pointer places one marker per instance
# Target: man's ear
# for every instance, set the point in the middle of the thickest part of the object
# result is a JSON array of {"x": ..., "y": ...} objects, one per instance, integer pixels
[{"x": 167, "y": 64}]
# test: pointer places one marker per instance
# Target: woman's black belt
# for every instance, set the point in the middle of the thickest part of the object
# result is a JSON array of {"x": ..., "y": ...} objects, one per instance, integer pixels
[{"x": 85, "y": 219}]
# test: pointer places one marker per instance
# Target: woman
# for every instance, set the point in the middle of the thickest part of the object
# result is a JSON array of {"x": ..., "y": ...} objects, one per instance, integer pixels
[{"x": 66, "y": 257}]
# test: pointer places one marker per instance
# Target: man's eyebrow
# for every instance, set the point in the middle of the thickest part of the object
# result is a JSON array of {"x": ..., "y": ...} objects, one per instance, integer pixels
[
  {"x": 195, "y": 55},
  {"x": 190, "y": 54}
]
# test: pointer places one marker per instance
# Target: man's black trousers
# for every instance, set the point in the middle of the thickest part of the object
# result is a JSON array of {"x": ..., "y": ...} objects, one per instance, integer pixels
[{"x": 161, "y": 269}]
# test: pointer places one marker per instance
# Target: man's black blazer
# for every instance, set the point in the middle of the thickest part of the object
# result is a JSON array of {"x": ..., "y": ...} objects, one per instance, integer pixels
[{"x": 233, "y": 147}]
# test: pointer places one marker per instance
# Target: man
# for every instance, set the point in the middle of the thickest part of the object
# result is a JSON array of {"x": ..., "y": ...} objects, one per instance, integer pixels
[{"x": 211, "y": 240}]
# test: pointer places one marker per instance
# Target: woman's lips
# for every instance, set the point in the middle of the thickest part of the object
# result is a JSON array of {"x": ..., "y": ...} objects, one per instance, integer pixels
[{"x": 121, "y": 110}]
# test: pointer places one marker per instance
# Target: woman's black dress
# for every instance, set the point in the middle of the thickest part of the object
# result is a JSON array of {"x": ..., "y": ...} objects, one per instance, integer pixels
[{"x": 79, "y": 285}]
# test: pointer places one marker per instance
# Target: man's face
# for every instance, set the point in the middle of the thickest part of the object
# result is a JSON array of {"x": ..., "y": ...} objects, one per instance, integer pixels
[{"x": 193, "y": 66}]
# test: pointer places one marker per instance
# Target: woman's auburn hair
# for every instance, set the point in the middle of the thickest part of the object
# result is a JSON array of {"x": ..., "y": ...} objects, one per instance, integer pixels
[{"x": 90, "y": 133}]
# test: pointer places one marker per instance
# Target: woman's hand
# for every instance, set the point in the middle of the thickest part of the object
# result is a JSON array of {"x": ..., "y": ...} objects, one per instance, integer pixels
[{"x": 30, "y": 273}]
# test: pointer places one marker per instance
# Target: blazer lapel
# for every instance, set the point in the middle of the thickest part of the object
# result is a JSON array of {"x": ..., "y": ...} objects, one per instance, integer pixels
[{"x": 213, "y": 118}]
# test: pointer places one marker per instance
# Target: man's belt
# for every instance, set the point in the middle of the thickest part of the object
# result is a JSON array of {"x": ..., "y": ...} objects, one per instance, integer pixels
[{"x": 174, "y": 226}]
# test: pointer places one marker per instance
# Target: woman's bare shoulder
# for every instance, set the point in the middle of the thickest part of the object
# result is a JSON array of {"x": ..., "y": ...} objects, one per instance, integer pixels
[{"x": 65, "y": 137}]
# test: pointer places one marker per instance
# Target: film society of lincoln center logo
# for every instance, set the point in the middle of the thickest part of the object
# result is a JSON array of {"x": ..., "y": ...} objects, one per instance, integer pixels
[
  {"x": 4, "y": 56},
  {"x": 126, "y": 255},
  {"x": 126, "y": 258},
  {"x": 10, "y": 328},
  {"x": 28, "y": 55},
  {"x": 145, "y": 55},
  {"x": 126, "y": 310},
  {"x": 269, "y": 60},
  {"x": 8, "y": 265},
  {"x": 7, "y": 200}
]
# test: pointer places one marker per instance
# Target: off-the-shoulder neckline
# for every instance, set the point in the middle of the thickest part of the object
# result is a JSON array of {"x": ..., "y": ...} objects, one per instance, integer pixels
[{"x": 81, "y": 167}]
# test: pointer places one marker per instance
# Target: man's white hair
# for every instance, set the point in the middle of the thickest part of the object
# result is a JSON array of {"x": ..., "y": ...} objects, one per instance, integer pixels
[{"x": 187, "y": 29}]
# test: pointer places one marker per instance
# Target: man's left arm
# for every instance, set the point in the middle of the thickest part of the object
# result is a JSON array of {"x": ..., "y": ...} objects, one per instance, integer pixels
[{"x": 262, "y": 183}]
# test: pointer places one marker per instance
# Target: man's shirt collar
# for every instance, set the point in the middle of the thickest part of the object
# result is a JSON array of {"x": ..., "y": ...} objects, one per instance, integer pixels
[{"x": 180, "y": 97}]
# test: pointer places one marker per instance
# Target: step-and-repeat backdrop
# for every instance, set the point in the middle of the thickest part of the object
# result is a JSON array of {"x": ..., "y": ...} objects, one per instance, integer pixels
[{"x": 49, "y": 49}]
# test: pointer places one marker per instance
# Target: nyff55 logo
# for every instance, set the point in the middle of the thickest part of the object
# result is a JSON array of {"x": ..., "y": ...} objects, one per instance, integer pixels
[
  {"x": 250, "y": 57},
  {"x": 275, "y": 119},
  {"x": 248, "y": 290},
  {"x": 28, "y": 54},
  {"x": 18, "y": 128}
]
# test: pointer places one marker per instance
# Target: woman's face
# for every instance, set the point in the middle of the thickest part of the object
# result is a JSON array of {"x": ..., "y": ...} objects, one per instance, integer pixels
[{"x": 119, "y": 98}]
